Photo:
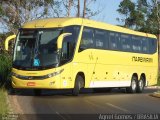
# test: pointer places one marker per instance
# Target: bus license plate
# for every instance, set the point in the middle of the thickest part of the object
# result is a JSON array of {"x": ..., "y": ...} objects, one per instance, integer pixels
[{"x": 31, "y": 84}]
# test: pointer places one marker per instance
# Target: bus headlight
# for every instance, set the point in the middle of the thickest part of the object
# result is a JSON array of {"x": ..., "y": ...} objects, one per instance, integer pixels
[
  {"x": 38, "y": 77},
  {"x": 55, "y": 73}
]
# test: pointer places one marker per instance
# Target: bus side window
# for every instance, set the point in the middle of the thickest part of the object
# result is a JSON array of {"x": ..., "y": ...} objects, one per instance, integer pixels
[
  {"x": 87, "y": 39},
  {"x": 114, "y": 41},
  {"x": 136, "y": 46},
  {"x": 106, "y": 40},
  {"x": 145, "y": 45},
  {"x": 100, "y": 39},
  {"x": 125, "y": 43},
  {"x": 152, "y": 45}
]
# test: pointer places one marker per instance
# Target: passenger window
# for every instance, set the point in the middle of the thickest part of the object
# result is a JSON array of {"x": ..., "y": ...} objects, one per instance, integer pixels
[
  {"x": 87, "y": 39},
  {"x": 136, "y": 46},
  {"x": 107, "y": 40},
  {"x": 145, "y": 47},
  {"x": 113, "y": 41},
  {"x": 100, "y": 39},
  {"x": 125, "y": 43},
  {"x": 152, "y": 45}
]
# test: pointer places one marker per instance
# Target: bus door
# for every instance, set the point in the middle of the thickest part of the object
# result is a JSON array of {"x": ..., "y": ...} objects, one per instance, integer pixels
[{"x": 65, "y": 57}]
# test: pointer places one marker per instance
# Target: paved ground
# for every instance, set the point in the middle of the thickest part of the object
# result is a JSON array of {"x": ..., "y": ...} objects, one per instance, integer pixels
[{"x": 61, "y": 104}]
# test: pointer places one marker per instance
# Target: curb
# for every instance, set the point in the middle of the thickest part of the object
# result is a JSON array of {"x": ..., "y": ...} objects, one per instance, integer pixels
[
  {"x": 157, "y": 95},
  {"x": 153, "y": 87}
]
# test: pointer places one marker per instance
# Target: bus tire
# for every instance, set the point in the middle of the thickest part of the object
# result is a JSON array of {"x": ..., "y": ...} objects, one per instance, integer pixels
[
  {"x": 37, "y": 92},
  {"x": 140, "y": 85},
  {"x": 133, "y": 86},
  {"x": 79, "y": 83}
]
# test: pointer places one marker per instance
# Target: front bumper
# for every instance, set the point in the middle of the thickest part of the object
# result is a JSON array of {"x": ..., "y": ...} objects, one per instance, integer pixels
[{"x": 50, "y": 83}]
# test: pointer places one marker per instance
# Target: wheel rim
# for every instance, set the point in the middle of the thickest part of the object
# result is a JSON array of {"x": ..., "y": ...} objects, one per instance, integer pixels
[
  {"x": 134, "y": 85},
  {"x": 141, "y": 84}
]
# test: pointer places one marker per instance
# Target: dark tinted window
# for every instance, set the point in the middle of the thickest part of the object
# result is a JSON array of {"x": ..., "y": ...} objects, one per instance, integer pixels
[
  {"x": 113, "y": 41},
  {"x": 100, "y": 39},
  {"x": 103, "y": 39},
  {"x": 125, "y": 43},
  {"x": 107, "y": 40},
  {"x": 87, "y": 39},
  {"x": 136, "y": 44},
  {"x": 152, "y": 45},
  {"x": 144, "y": 44}
]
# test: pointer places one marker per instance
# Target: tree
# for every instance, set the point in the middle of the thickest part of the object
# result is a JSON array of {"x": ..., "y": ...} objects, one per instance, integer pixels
[
  {"x": 157, "y": 6},
  {"x": 14, "y": 13},
  {"x": 144, "y": 17},
  {"x": 73, "y": 8},
  {"x": 140, "y": 14},
  {"x": 84, "y": 8},
  {"x": 68, "y": 4},
  {"x": 87, "y": 11},
  {"x": 78, "y": 8},
  {"x": 127, "y": 9}
]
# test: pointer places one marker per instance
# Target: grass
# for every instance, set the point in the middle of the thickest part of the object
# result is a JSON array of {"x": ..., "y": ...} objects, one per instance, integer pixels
[
  {"x": 4, "y": 109},
  {"x": 5, "y": 71},
  {"x": 158, "y": 81}
]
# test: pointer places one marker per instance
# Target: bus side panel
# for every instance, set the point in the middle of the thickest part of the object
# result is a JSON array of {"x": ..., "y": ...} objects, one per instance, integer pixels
[{"x": 84, "y": 61}]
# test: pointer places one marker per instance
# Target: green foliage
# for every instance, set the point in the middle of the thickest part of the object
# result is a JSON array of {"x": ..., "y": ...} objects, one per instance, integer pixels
[
  {"x": 5, "y": 69},
  {"x": 143, "y": 15},
  {"x": 2, "y": 37},
  {"x": 158, "y": 81},
  {"x": 14, "y": 13},
  {"x": 127, "y": 8}
]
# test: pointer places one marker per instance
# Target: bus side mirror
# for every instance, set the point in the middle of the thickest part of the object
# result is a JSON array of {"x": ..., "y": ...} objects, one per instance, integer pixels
[
  {"x": 60, "y": 39},
  {"x": 7, "y": 41}
]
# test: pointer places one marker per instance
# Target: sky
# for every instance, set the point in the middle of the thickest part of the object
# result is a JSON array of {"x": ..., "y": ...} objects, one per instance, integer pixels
[{"x": 108, "y": 12}]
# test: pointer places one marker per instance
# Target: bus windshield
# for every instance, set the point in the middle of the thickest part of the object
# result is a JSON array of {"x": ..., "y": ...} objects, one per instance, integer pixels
[{"x": 36, "y": 49}]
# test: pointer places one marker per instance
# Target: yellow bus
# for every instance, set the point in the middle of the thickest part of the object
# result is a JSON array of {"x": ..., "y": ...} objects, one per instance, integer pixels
[{"x": 75, "y": 53}]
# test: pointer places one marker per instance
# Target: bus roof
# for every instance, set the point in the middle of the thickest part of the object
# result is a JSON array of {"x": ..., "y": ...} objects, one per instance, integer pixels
[{"x": 61, "y": 22}]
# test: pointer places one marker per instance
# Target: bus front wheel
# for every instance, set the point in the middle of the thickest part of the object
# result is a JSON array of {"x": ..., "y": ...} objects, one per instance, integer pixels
[
  {"x": 133, "y": 86},
  {"x": 79, "y": 83}
]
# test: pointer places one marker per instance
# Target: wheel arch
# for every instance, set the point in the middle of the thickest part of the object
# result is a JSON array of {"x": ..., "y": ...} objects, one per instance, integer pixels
[
  {"x": 82, "y": 75},
  {"x": 136, "y": 75}
]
